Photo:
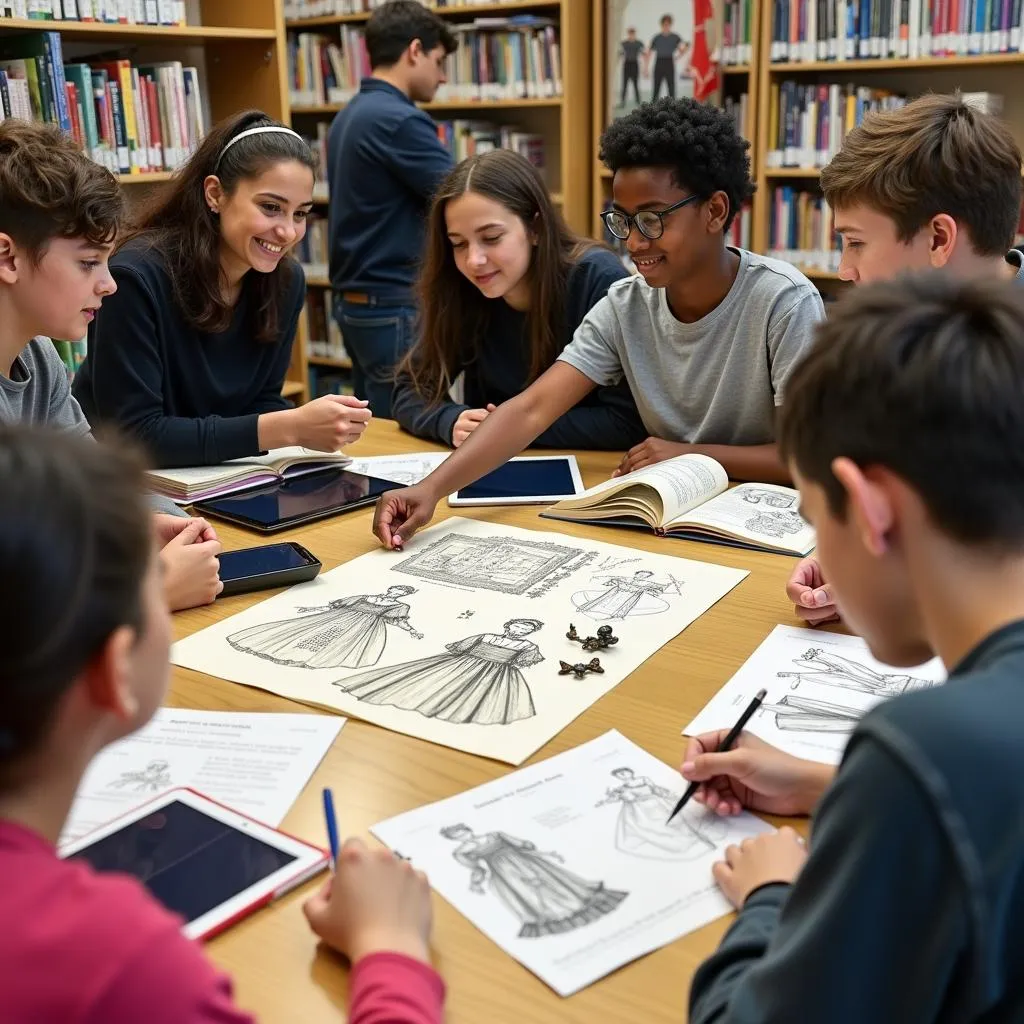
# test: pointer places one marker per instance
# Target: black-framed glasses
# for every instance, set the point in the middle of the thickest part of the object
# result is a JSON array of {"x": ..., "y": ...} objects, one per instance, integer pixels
[{"x": 650, "y": 223}]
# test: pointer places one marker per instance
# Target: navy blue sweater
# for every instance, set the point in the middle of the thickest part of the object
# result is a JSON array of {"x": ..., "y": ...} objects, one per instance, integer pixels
[
  {"x": 384, "y": 161},
  {"x": 910, "y": 908},
  {"x": 497, "y": 365}
]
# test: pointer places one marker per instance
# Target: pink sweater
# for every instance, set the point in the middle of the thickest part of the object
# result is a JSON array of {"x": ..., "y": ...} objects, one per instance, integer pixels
[{"x": 77, "y": 947}]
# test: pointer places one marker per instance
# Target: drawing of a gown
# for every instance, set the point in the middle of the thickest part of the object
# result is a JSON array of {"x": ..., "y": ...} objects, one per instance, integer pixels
[
  {"x": 350, "y": 633},
  {"x": 622, "y": 596},
  {"x": 478, "y": 681},
  {"x": 641, "y": 829},
  {"x": 546, "y": 897},
  {"x": 835, "y": 670}
]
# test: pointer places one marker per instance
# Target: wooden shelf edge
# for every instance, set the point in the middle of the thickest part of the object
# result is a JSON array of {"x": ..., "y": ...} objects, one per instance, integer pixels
[
  {"x": 896, "y": 63},
  {"x": 318, "y": 282},
  {"x": 326, "y": 361},
  {"x": 457, "y": 10},
  {"x": 152, "y": 178},
  {"x": 293, "y": 388},
  {"x": 99, "y": 29},
  {"x": 734, "y": 69},
  {"x": 792, "y": 172}
]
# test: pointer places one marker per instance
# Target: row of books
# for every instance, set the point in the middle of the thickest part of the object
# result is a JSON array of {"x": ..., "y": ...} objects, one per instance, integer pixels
[
  {"x": 800, "y": 229},
  {"x": 132, "y": 119},
  {"x": 116, "y": 12},
  {"x": 312, "y": 251},
  {"x": 738, "y": 108},
  {"x": 298, "y": 9},
  {"x": 738, "y": 32},
  {"x": 814, "y": 30},
  {"x": 322, "y": 330}
]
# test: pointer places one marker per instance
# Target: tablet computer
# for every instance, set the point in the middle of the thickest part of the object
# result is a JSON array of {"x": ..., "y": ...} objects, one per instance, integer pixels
[
  {"x": 303, "y": 499},
  {"x": 527, "y": 480},
  {"x": 200, "y": 859}
]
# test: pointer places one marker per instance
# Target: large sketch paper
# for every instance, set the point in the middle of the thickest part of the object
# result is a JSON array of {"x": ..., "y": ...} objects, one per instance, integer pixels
[
  {"x": 569, "y": 865},
  {"x": 458, "y": 638},
  {"x": 403, "y": 469},
  {"x": 819, "y": 685},
  {"x": 255, "y": 763}
]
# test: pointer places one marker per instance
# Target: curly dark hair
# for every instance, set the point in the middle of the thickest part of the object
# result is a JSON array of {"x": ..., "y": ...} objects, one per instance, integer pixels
[{"x": 697, "y": 142}]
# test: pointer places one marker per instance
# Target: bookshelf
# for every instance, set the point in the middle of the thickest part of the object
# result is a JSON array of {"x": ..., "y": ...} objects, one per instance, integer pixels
[{"x": 561, "y": 121}]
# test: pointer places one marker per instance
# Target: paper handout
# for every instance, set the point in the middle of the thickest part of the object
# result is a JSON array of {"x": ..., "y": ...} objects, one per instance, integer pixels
[{"x": 569, "y": 865}]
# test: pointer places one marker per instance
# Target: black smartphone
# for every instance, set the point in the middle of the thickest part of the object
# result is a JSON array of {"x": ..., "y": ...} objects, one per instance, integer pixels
[{"x": 272, "y": 565}]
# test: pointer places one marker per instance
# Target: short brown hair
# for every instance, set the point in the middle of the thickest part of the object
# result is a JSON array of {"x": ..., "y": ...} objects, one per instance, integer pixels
[
  {"x": 936, "y": 155},
  {"x": 50, "y": 189},
  {"x": 921, "y": 375}
]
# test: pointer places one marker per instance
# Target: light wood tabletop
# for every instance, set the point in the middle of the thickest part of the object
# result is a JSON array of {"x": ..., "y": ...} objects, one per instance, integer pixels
[{"x": 280, "y": 972}]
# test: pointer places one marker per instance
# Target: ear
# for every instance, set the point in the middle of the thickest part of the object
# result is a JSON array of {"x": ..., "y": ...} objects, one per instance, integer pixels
[
  {"x": 415, "y": 51},
  {"x": 213, "y": 192},
  {"x": 8, "y": 259},
  {"x": 943, "y": 233},
  {"x": 108, "y": 677},
  {"x": 868, "y": 505},
  {"x": 716, "y": 210}
]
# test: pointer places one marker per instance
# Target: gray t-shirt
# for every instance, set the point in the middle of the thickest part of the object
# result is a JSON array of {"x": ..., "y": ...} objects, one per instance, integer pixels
[
  {"x": 665, "y": 45},
  {"x": 716, "y": 381}
]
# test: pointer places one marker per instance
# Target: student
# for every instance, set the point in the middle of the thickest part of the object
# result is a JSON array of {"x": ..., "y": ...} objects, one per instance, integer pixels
[
  {"x": 86, "y": 644},
  {"x": 384, "y": 161},
  {"x": 59, "y": 214},
  {"x": 189, "y": 354},
  {"x": 904, "y": 428},
  {"x": 935, "y": 184},
  {"x": 705, "y": 335},
  {"x": 504, "y": 286}
]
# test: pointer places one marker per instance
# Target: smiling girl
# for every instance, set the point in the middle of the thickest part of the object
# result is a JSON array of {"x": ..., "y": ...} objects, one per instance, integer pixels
[
  {"x": 189, "y": 354},
  {"x": 504, "y": 286}
]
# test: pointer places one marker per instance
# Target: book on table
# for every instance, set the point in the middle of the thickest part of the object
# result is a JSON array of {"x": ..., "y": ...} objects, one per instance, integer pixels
[
  {"x": 689, "y": 496},
  {"x": 194, "y": 483}
]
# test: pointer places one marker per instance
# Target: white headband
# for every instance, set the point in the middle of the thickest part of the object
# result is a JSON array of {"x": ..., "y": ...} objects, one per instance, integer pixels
[{"x": 256, "y": 131}]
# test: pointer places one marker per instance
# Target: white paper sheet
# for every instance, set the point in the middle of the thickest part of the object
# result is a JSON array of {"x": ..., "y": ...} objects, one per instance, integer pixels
[
  {"x": 403, "y": 469},
  {"x": 569, "y": 864},
  {"x": 819, "y": 685},
  {"x": 459, "y": 638},
  {"x": 255, "y": 763}
]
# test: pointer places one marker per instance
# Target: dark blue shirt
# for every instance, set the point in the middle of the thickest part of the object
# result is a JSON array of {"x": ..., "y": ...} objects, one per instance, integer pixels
[
  {"x": 384, "y": 161},
  {"x": 497, "y": 364}
]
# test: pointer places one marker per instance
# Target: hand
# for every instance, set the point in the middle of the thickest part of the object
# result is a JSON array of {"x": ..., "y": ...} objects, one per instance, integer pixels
[
  {"x": 772, "y": 857},
  {"x": 810, "y": 594},
  {"x": 329, "y": 423},
  {"x": 468, "y": 421},
  {"x": 374, "y": 903},
  {"x": 754, "y": 775},
  {"x": 648, "y": 452},
  {"x": 399, "y": 514},
  {"x": 191, "y": 567},
  {"x": 168, "y": 527}
]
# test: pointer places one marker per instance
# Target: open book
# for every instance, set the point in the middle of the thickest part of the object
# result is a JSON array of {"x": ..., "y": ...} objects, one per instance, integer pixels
[
  {"x": 689, "y": 496},
  {"x": 194, "y": 483}
]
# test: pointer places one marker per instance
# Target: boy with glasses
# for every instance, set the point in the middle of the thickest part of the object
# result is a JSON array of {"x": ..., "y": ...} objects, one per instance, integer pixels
[{"x": 705, "y": 335}]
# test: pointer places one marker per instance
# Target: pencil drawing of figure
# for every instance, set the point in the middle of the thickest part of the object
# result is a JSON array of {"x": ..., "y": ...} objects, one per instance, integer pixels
[
  {"x": 775, "y": 524},
  {"x": 548, "y": 899},
  {"x": 641, "y": 828},
  {"x": 477, "y": 680},
  {"x": 350, "y": 632},
  {"x": 835, "y": 670},
  {"x": 762, "y": 496},
  {"x": 154, "y": 778},
  {"x": 794, "y": 713},
  {"x": 622, "y": 596}
]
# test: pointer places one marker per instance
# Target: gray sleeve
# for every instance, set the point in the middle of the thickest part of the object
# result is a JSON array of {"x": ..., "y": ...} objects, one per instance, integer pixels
[
  {"x": 790, "y": 336},
  {"x": 51, "y": 376},
  {"x": 874, "y": 928},
  {"x": 593, "y": 350}
]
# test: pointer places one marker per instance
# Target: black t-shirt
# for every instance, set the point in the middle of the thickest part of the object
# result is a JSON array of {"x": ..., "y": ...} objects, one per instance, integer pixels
[
  {"x": 631, "y": 50},
  {"x": 665, "y": 45}
]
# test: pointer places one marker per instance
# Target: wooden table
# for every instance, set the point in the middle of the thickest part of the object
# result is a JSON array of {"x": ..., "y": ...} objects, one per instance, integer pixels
[{"x": 280, "y": 972}]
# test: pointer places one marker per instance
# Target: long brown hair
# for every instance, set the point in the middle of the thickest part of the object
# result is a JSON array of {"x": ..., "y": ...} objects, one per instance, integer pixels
[
  {"x": 453, "y": 312},
  {"x": 180, "y": 224}
]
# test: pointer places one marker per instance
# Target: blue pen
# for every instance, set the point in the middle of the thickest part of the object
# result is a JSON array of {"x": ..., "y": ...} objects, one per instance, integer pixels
[{"x": 332, "y": 826}]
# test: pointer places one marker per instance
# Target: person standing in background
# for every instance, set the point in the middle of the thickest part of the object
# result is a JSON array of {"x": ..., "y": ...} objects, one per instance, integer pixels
[
  {"x": 384, "y": 160},
  {"x": 666, "y": 46},
  {"x": 631, "y": 50}
]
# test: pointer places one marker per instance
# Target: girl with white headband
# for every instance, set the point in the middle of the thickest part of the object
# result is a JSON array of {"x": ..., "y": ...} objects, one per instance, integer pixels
[{"x": 190, "y": 353}]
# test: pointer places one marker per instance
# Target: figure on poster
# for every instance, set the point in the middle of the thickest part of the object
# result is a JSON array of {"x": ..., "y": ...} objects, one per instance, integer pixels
[
  {"x": 547, "y": 899},
  {"x": 665, "y": 47},
  {"x": 835, "y": 670},
  {"x": 350, "y": 632},
  {"x": 154, "y": 778},
  {"x": 477, "y": 681},
  {"x": 622, "y": 596},
  {"x": 640, "y": 829},
  {"x": 632, "y": 49}
]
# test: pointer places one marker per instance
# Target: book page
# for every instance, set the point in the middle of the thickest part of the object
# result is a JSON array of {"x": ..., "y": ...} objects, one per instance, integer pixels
[{"x": 255, "y": 467}]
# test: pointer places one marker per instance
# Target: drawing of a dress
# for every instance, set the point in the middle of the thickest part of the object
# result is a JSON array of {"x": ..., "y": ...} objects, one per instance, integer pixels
[
  {"x": 547, "y": 898},
  {"x": 835, "y": 670},
  {"x": 622, "y": 596},
  {"x": 477, "y": 681},
  {"x": 350, "y": 632}
]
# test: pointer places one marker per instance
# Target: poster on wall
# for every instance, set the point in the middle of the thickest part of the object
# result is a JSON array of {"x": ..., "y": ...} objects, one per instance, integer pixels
[{"x": 660, "y": 48}]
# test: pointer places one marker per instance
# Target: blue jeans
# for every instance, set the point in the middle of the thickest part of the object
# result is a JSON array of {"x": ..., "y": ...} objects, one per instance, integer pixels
[{"x": 376, "y": 339}]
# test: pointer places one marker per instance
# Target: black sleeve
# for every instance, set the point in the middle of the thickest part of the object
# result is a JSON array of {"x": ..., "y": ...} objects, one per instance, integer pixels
[
  {"x": 417, "y": 156},
  {"x": 270, "y": 398},
  {"x": 434, "y": 422},
  {"x": 874, "y": 928},
  {"x": 128, "y": 376}
]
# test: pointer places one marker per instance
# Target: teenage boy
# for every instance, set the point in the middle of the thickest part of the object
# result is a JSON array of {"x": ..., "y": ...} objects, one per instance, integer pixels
[
  {"x": 384, "y": 161},
  {"x": 705, "y": 335},
  {"x": 935, "y": 184},
  {"x": 59, "y": 214},
  {"x": 904, "y": 429}
]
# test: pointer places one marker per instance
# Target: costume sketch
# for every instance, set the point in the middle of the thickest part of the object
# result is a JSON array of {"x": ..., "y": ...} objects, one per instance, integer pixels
[
  {"x": 775, "y": 524},
  {"x": 641, "y": 828},
  {"x": 477, "y": 681},
  {"x": 623, "y": 596},
  {"x": 795, "y": 713},
  {"x": 350, "y": 632},
  {"x": 835, "y": 670},
  {"x": 547, "y": 898},
  {"x": 507, "y": 564},
  {"x": 762, "y": 496},
  {"x": 154, "y": 778}
]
